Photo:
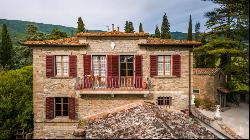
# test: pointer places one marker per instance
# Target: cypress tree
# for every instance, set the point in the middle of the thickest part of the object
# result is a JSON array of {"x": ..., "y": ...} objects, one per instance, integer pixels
[
  {"x": 157, "y": 32},
  {"x": 131, "y": 27},
  {"x": 197, "y": 30},
  {"x": 126, "y": 28},
  {"x": 190, "y": 37},
  {"x": 80, "y": 27},
  {"x": 165, "y": 28},
  {"x": 6, "y": 48},
  {"x": 140, "y": 28}
]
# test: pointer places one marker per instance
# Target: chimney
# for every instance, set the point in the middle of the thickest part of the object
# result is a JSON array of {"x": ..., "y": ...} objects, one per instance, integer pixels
[
  {"x": 113, "y": 27},
  {"x": 118, "y": 28}
]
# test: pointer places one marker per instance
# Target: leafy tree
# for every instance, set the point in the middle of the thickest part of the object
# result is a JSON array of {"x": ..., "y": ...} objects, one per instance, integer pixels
[
  {"x": 34, "y": 34},
  {"x": 190, "y": 31},
  {"x": 131, "y": 27},
  {"x": 165, "y": 28},
  {"x": 140, "y": 28},
  {"x": 230, "y": 20},
  {"x": 22, "y": 56},
  {"x": 15, "y": 102},
  {"x": 157, "y": 32},
  {"x": 57, "y": 34},
  {"x": 126, "y": 27},
  {"x": 197, "y": 31},
  {"x": 80, "y": 25},
  {"x": 6, "y": 50}
]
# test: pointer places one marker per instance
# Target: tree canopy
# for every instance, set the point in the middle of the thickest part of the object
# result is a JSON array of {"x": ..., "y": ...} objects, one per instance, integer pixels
[
  {"x": 6, "y": 48},
  {"x": 15, "y": 102},
  {"x": 190, "y": 30},
  {"x": 80, "y": 25},
  {"x": 165, "y": 28},
  {"x": 140, "y": 27},
  {"x": 157, "y": 32}
]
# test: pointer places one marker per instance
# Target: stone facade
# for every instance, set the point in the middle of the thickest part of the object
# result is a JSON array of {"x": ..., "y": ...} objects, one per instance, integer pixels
[
  {"x": 208, "y": 84},
  {"x": 62, "y": 127}
]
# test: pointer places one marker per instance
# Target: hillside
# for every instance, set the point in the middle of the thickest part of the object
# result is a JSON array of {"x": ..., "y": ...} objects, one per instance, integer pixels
[{"x": 17, "y": 29}]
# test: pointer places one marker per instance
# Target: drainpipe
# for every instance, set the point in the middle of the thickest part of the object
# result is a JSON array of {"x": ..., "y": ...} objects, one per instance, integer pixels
[{"x": 190, "y": 76}]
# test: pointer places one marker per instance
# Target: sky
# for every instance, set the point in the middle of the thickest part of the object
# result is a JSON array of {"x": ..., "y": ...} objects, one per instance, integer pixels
[{"x": 98, "y": 14}]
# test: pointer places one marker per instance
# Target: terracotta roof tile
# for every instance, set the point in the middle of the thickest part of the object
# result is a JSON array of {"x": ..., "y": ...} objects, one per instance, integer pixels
[
  {"x": 223, "y": 90},
  {"x": 205, "y": 71},
  {"x": 73, "y": 41},
  {"x": 112, "y": 34},
  {"x": 158, "y": 41}
]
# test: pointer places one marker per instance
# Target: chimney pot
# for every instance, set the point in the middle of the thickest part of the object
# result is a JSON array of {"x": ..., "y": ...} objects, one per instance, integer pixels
[{"x": 112, "y": 27}]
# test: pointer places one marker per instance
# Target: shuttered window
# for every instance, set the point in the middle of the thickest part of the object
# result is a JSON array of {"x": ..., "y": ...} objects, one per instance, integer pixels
[
  {"x": 73, "y": 66},
  {"x": 87, "y": 71},
  {"x": 164, "y": 65},
  {"x": 60, "y": 106}
]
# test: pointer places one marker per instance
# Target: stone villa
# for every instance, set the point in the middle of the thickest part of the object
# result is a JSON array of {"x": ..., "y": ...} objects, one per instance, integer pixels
[{"x": 93, "y": 72}]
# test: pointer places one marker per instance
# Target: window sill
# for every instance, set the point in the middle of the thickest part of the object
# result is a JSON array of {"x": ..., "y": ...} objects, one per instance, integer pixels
[
  {"x": 61, "y": 77},
  {"x": 165, "y": 77}
]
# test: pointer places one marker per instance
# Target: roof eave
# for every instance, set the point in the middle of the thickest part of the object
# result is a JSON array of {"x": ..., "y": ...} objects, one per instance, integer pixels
[{"x": 56, "y": 45}]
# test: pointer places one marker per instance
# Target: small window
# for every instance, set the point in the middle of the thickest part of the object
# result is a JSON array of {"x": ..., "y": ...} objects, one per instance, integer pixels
[
  {"x": 196, "y": 91},
  {"x": 164, "y": 101},
  {"x": 61, "y": 106},
  {"x": 62, "y": 66}
]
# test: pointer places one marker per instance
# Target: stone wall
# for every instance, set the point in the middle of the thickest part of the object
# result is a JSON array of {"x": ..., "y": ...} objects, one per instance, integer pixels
[{"x": 44, "y": 87}]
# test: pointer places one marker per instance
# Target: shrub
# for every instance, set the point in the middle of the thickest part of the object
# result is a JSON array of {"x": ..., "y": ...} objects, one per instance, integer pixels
[{"x": 205, "y": 103}]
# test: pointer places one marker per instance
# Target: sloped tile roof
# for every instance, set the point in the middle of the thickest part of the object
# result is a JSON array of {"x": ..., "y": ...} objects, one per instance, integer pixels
[
  {"x": 223, "y": 90},
  {"x": 158, "y": 41},
  {"x": 112, "y": 34},
  {"x": 73, "y": 41},
  {"x": 205, "y": 71}
]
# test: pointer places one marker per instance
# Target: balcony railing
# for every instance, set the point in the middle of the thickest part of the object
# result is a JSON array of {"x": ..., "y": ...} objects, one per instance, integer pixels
[{"x": 110, "y": 83}]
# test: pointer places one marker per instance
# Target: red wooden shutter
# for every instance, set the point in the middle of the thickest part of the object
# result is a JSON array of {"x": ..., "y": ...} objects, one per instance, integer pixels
[
  {"x": 50, "y": 66},
  {"x": 87, "y": 71},
  {"x": 138, "y": 71},
  {"x": 153, "y": 65},
  {"x": 113, "y": 71},
  {"x": 177, "y": 65},
  {"x": 73, "y": 66},
  {"x": 72, "y": 108},
  {"x": 49, "y": 107}
]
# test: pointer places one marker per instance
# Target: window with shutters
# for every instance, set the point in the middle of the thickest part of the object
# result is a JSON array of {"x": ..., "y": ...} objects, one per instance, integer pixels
[
  {"x": 61, "y": 106},
  {"x": 62, "y": 66},
  {"x": 167, "y": 101},
  {"x": 164, "y": 65}
]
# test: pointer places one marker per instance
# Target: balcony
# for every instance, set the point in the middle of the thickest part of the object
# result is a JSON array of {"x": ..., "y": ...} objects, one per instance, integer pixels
[{"x": 111, "y": 85}]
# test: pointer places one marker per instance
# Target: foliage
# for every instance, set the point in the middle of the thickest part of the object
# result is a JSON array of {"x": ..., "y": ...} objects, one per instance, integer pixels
[
  {"x": 80, "y": 25},
  {"x": 230, "y": 20},
  {"x": 34, "y": 34},
  {"x": 22, "y": 56},
  {"x": 57, "y": 34},
  {"x": 140, "y": 28},
  {"x": 15, "y": 101},
  {"x": 129, "y": 28},
  {"x": 205, "y": 103},
  {"x": 6, "y": 50},
  {"x": 190, "y": 34},
  {"x": 197, "y": 31},
  {"x": 157, "y": 32},
  {"x": 165, "y": 28}
]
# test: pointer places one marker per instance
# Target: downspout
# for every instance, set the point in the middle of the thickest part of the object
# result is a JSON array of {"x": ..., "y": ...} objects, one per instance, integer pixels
[{"x": 189, "y": 96}]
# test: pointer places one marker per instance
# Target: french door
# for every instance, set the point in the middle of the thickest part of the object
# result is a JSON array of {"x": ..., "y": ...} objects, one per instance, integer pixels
[
  {"x": 99, "y": 70},
  {"x": 126, "y": 70}
]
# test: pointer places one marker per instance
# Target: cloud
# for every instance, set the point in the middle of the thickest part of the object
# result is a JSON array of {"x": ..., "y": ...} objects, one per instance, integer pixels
[{"x": 97, "y": 14}]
